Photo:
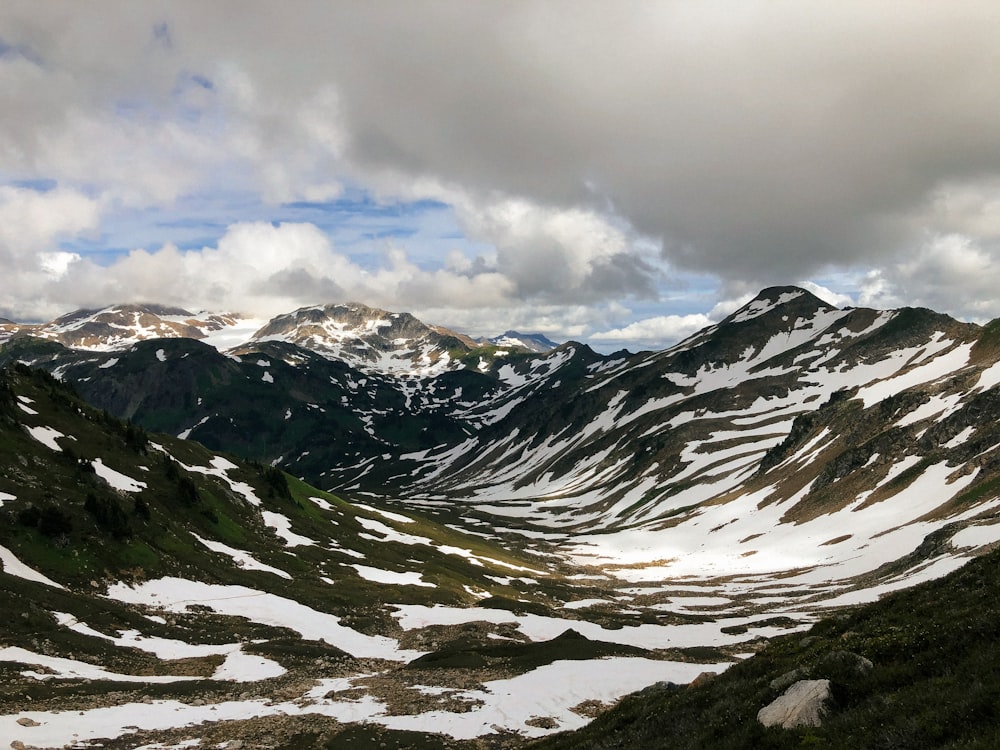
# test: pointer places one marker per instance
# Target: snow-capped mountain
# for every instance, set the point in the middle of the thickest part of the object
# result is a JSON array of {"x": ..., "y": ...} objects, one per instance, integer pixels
[
  {"x": 369, "y": 338},
  {"x": 532, "y": 342},
  {"x": 786, "y": 421},
  {"x": 792, "y": 458},
  {"x": 120, "y": 326}
]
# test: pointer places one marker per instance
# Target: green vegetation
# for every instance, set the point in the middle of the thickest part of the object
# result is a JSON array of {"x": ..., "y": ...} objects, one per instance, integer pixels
[
  {"x": 935, "y": 682},
  {"x": 475, "y": 654}
]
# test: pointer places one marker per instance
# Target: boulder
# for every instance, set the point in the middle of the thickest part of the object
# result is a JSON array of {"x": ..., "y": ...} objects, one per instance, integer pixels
[
  {"x": 844, "y": 666},
  {"x": 702, "y": 679},
  {"x": 789, "y": 678},
  {"x": 802, "y": 705}
]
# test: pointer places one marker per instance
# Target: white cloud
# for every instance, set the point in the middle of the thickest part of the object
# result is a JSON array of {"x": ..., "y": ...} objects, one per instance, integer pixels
[
  {"x": 827, "y": 295},
  {"x": 659, "y": 332},
  {"x": 31, "y": 225},
  {"x": 264, "y": 269},
  {"x": 949, "y": 273},
  {"x": 798, "y": 141},
  {"x": 32, "y": 220}
]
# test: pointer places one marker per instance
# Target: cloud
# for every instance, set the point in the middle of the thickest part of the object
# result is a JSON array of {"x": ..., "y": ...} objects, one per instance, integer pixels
[
  {"x": 559, "y": 255},
  {"x": 947, "y": 272},
  {"x": 828, "y": 295},
  {"x": 589, "y": 153},
  {"x": 32, "y": 220},
  {"x": 655, "y": 333},
  {"x": 263, "y": 269},
  {"x": 31, "y": 224}
]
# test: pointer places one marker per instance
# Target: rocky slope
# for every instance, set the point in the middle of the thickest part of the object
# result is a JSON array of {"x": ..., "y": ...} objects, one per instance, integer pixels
[
  {"x": 532, "y": 342},
  {"x": 120, "y": 326},
  {"x": 367, "y": 338},
  {"x": 791, "y": 459},
  {"x": 156, "y": 584}
]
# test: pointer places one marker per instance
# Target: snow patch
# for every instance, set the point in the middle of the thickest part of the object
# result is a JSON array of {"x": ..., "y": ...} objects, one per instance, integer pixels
[{"x": 116, "y": 479}]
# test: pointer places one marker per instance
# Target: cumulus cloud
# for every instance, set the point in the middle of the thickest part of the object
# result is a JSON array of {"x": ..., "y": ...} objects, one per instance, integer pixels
[
  {"x": 828, "y": 295},
  {"x": 263, "y": 269},
  {"x": 588, "y": 150},
  {"x": 657, "y": 332},
  {"x": 31, "y": 224},
  {"x": 947, "y": 272},
  {"x": 562, "y": 255}
]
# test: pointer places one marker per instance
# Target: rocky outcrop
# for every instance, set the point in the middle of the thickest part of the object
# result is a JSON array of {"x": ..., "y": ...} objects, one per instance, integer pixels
[{"x": 802, "y": 705}]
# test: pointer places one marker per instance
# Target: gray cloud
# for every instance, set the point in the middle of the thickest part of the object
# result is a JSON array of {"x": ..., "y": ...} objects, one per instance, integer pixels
[{"x": 755, "y": 142}]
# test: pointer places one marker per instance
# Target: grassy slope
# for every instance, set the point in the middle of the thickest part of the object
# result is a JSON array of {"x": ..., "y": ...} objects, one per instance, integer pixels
[
  {"x": 935, "y": 683},
  {"x": 149, "y": 534}
]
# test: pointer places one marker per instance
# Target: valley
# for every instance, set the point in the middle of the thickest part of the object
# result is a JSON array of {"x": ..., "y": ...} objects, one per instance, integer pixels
[{"x": 343, "y": 523}]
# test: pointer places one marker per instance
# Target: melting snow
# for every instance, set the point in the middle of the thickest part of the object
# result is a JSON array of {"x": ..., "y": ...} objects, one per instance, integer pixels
[
  {"x": 13, "y": 566},
  {"x": 936, "y": 368},
  {"x": 241, "y": 557},
  {"x": 46, "y": 436},
  {"x": 220, "y": 467},
  {"x": 541, "y": 628},
  {"x": 977, "y": 536},
  {"x": 174, "y": 594},
  {"x": 27, "y": 409},
  {"x": 282, "y": 526},
  {"x": 117, "y": 480},
  {"x": 391, "y": 577},
  {"x": 509, "y": 704},
  {"x": 184, "y": 434},
  {"x": 74, "y": 669},
  {"x": 756, "y": 308},
  {"x": 238, "y": 667}
]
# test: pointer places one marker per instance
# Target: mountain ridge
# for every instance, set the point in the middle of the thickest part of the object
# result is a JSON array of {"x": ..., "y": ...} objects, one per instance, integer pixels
[
  {"x": 367, "y": 337},
  {"x": 791, "y": 459}
]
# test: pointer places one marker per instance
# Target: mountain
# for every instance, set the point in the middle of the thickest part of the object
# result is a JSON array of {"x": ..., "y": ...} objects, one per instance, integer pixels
[
  {"x": 120, "y": 326},
  {"x": 532, "y": 342},
  {"x": 154, "y": 584},
  {"x": 790, "y": 460},
  {"x": 940, "y": 638},
  {"x": 369, "y": 338}
]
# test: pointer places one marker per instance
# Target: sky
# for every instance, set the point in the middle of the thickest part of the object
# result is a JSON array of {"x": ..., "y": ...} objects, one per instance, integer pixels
[{"x": 618, "y": 173}]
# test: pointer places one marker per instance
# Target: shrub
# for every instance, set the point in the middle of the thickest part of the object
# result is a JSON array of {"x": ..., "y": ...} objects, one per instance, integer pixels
[
  {"x": 50, "y": 521},
  {"x": 108, "y": 514}
]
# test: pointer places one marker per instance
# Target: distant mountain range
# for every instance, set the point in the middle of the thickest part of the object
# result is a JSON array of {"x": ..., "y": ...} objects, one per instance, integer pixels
[
  {"x": 366, "y": 337},
  {"x": 790, "y": 459},
  {"x": 533, "y": 342}
]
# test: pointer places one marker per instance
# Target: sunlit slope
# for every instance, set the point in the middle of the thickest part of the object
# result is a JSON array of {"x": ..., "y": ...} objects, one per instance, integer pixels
[{"x": 156, "y": 584}]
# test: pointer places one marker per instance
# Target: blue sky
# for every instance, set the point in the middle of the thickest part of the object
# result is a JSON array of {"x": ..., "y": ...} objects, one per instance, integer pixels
[{"x": 620, "y": 175}]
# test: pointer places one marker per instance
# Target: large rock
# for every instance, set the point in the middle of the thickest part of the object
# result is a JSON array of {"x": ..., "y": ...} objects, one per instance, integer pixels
[
  {"x": 844, "y": 666},
  {"x": 802, "y": 705}
]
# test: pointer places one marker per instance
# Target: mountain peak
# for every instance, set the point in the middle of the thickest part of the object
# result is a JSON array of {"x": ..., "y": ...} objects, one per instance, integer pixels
[
  {"x": 534, "y": 342},
  {"x": 119, "y": 326},
  {"x": 792, "y": 300},
  {"x": 369, "y": 338}
]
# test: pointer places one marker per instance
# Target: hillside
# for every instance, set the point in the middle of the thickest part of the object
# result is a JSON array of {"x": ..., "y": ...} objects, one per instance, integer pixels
[
  {"x": 155, "y": 582},
  {"x": 932, "y": 681},
  {"x": 515, "y": 521}
]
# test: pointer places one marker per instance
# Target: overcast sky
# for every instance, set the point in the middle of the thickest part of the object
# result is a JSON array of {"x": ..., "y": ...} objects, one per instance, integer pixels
[{"x": 613, "y": 172}]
